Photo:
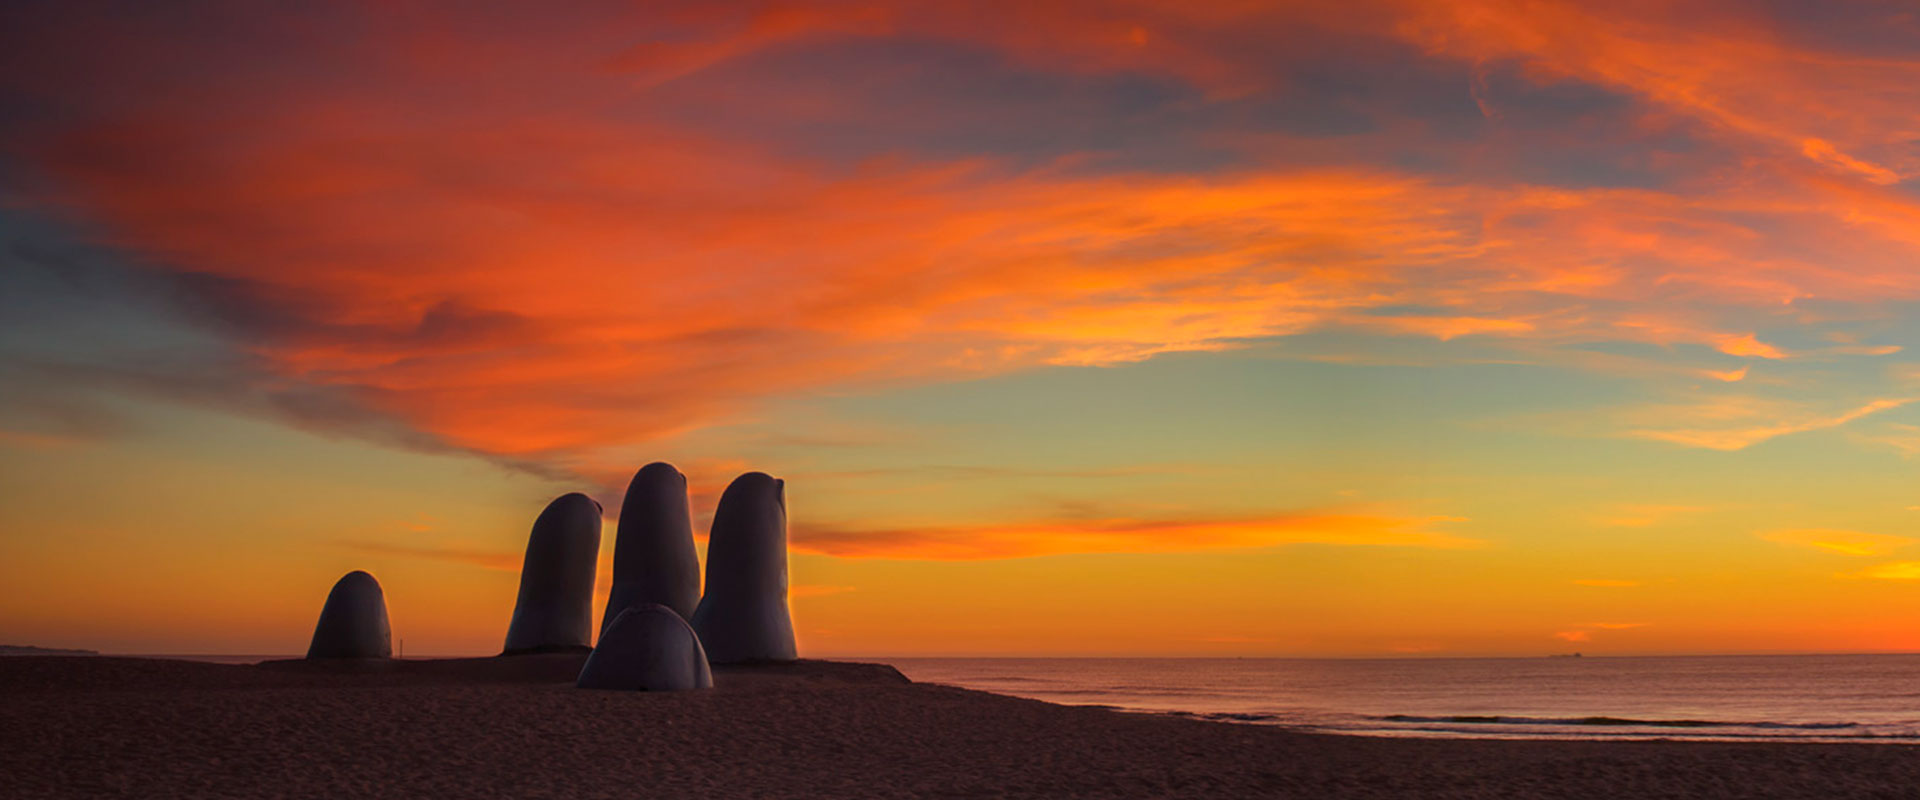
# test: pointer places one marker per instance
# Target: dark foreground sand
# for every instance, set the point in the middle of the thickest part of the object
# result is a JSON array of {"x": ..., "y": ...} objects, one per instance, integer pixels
[{"x": 78, "y": 727}]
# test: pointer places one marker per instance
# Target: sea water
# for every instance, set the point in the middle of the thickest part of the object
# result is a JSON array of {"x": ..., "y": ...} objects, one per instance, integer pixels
[{"x": 1850, "y": 698}]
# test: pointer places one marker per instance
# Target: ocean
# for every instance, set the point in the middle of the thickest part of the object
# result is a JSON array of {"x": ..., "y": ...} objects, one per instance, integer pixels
[{"x": 1809, "y": 698}]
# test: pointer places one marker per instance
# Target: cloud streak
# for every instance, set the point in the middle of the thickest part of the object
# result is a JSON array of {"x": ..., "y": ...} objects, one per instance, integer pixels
[
  {"x": 1734, "y": 435},
  {"x": 1030, "y": 539},
  {"x": 485, "y": 559},
  {"x": 1844, "y": 542}
]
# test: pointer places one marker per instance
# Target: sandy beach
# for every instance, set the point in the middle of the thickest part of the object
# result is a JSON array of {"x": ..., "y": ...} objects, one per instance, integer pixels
[{"x": 516, "y": 727}]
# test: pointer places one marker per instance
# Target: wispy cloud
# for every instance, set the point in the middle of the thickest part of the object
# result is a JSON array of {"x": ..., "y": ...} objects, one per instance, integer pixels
[
  {"x": 1747, "y": 76},
  {"x": 1585, "y": 631},
  {"x": 1728, "y": 376},
  {"x": 1027, "y": 539},
  {"x": 1901, "y": 437},
  {"x": 950, "y": 472},
  {"x": 1736, "y": 427},
  {"x": 458, "y": 554},
  {"x": 1852, "y": 543},
  {"x": 1892, "y": 571}
]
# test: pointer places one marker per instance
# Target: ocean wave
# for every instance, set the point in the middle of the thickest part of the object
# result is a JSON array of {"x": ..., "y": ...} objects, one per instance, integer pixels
[
  {"x": 1588, "y": 728},
  {"x": 1627, "y": 734},
  {"x": 1709, "y": 699},
  {"x": 1124, "y": 691},
  {"x": 1615, "y": 722}
]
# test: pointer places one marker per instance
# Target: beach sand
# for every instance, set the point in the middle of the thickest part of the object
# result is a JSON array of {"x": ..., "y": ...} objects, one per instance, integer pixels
[{"x": 516, "y": 727}]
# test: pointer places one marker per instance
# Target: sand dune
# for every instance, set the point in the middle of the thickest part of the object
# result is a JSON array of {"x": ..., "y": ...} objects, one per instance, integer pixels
[{"x": 516, "y": 727}]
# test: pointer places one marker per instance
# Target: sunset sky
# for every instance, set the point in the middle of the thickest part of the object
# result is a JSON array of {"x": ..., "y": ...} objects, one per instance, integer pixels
[{"x": 1179, "y": 328}]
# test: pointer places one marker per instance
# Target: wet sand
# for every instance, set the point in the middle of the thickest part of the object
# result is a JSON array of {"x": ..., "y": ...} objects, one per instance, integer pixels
[{"x": 515, "y": 727}]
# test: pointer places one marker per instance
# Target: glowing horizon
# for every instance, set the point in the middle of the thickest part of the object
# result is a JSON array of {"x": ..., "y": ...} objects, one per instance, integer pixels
[{"x": 1143, "y": 328}]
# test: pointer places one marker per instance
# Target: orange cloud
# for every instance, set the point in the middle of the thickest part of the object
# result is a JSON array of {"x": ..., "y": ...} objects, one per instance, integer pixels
[
  {"x": 604, "y": 334},
  {"x": 1023, "y": 540},
  {"x": 1748, "y": 345},
  {"x": 564, "y": 280},
  {"x": 1894, "y": 571},
  {"x": 1824, "y": 152},
  {"x": 1852, "y": 543}
]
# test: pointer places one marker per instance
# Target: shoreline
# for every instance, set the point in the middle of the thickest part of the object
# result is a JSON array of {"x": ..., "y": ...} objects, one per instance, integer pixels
[
  {"x": 560, "y": 666},
  {"x": 106, "y": 726}
]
